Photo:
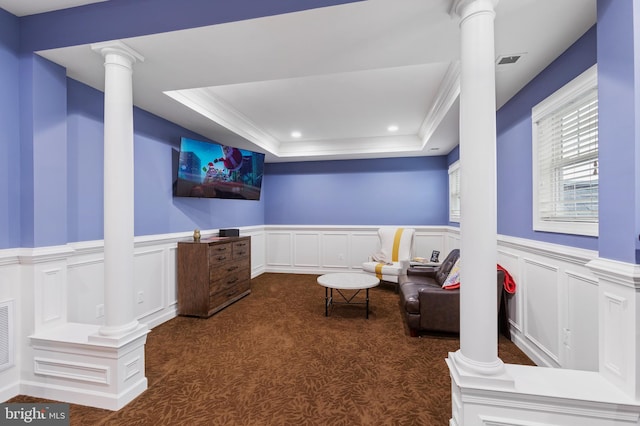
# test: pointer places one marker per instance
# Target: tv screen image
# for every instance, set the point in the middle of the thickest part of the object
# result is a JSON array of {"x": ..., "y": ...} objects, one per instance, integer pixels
[{"x": 211, "y": 170}]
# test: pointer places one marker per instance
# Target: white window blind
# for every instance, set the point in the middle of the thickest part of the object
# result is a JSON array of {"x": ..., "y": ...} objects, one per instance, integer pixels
[
  {"x": 566, "y": 147},
  {"x": 454, "y": 192}
]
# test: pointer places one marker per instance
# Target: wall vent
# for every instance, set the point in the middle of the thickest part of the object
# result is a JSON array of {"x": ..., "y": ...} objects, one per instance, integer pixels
[{"x": 7, "y": 346}]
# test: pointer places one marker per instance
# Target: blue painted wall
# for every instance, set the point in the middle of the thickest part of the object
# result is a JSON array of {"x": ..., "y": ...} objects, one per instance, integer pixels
[
  {"x": 156, "y": 144},
  {"x": 51, "y": 143},
  {"x": 85, "y": 112},
  {"x": 514, "y": 153},
  {"x": 407, "y": 191},
  {"x": 619, "y": 149},
  {"x": 333, "y": 192},
  {"x": 10, "y": 134},
  {"x": 44, "y": 143}
]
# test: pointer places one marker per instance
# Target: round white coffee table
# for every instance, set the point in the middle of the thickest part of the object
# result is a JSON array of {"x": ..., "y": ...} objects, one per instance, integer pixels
[{"x": 346, "y": 281}]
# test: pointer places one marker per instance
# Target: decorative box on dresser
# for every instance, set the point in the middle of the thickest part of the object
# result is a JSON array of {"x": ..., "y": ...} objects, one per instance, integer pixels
[{"x": 212, "y": 274}]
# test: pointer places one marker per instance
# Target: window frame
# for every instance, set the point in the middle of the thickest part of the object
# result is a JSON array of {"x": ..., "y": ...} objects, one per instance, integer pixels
[
  {"x": 570, "y": 92},
  {"x": 454, "y": 170}
]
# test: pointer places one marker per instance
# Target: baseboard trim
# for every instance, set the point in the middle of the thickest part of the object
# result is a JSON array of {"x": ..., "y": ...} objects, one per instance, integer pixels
[
  {"x": 153, "y": 321},
  {"x": 531, "y": 351},
  {"x": 9, "y": 391},
  {"x": 86, "y": 397}
]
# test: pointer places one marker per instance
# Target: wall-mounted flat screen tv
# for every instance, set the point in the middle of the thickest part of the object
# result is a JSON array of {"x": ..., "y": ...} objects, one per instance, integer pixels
[{"x": 211, "y": 170}]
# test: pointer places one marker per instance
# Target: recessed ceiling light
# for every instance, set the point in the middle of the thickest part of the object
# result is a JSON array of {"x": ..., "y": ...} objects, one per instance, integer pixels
[
  {"x": 296, "y": 134},
  {"x": 392, "y": 128}
]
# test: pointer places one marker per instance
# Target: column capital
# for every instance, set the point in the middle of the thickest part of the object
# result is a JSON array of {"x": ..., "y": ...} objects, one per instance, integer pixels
[
  {"x": 465, "y": 8},
  {"x": 117, "y": 48}
]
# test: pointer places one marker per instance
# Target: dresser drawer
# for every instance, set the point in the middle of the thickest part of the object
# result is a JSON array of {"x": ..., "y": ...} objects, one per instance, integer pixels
[
  {"x": 227, "y": 294},
  {"x": 220, "y": 253},
  {"x": 222, "y": 270},
  {"x": 241, "y": 249},
  {"x": 223, "y": 282}
]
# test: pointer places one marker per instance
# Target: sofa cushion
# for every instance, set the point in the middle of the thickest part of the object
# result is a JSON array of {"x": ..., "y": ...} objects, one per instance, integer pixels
[
  {"x": 453, "y": 279},
  {"x": 444, "y": 269}
]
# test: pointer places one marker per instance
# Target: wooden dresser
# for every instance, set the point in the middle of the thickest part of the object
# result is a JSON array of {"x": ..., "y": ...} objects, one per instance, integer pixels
[{"x": 212, "y": 274}]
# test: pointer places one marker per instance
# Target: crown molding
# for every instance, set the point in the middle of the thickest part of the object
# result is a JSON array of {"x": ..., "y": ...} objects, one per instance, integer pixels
[
  {"x": 448, "y": 92},
  {"x": 370, "y": 145},
  {"x": 204, "y": 102}
]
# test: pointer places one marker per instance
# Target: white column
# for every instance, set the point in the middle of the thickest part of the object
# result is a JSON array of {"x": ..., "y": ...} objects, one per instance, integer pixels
[
  {"x": 115, "y": 351},
  {"x": 118, "y": 188},
  {"x": 478, "y": 354}
]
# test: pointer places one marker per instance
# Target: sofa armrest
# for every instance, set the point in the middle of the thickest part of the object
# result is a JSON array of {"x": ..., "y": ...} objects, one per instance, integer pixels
[
  {"x": 404, "y": 264},
  {"x": 439, "y": 309},
  {"x": 422, "y": 271}
]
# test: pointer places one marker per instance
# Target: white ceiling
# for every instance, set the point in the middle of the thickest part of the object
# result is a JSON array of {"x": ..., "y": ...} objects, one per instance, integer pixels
[
  {"x": 31, "y": 7},
  {"x": 339, "y": 75}
]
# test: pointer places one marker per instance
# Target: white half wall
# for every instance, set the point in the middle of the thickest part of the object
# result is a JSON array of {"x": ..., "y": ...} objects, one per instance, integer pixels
[
  {"x": 325, "y": 249},
  {"x": 553, "y": 315},
  {"x": 10, "y": 294}
]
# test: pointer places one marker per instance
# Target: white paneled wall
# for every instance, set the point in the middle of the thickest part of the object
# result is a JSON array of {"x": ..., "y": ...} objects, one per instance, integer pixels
[
  {"x": 323, "y": 249},
  {"x": 333, "y": 253},
  {"x": 581, "y": 317},
  {"x": 10, "y": 296},
  {"x": 553, "y": 315},
  {"x": 540, "y": 313},
  {"x": 258, "y": 256}
]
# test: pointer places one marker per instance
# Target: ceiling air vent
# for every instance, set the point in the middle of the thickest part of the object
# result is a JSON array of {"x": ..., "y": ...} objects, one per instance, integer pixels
[{"x": 509, "y": 59}]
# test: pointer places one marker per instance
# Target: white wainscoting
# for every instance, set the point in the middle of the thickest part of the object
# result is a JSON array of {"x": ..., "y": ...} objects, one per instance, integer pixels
[
  {"x": 554, "y": 313},
  {"x": 55, "y": 285},
  {"x": 10, "y": 293},
  {"x": 324, "y": 249},
  {"x": 155, "y": 276}
]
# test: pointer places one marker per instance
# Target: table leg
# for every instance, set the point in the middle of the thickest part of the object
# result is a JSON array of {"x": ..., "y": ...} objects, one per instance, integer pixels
[
  {"x": 326, "y": 302},
  {"x": 367, "y": 304}
]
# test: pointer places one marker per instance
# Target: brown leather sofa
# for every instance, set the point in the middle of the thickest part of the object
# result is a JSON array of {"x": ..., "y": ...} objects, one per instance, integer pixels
[{"x": 429, "y": 307}]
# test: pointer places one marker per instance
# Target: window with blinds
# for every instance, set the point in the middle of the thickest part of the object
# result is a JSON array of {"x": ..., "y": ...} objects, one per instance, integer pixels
[
  {"x": 454, "y": 192},
  {"x": 565, "y": 141}
]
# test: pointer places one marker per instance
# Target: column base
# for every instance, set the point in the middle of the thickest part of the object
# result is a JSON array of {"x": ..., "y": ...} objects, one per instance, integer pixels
[
  {"x": 540, "y": 396},
  {"x": 468, "y": 372},
  {"x": 73, "y": 363},
  {"x": 122, "y": 330}
]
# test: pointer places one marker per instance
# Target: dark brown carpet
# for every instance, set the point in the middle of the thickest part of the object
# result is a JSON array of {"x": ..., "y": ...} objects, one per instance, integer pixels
[{"x": 273, "y": 358}]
